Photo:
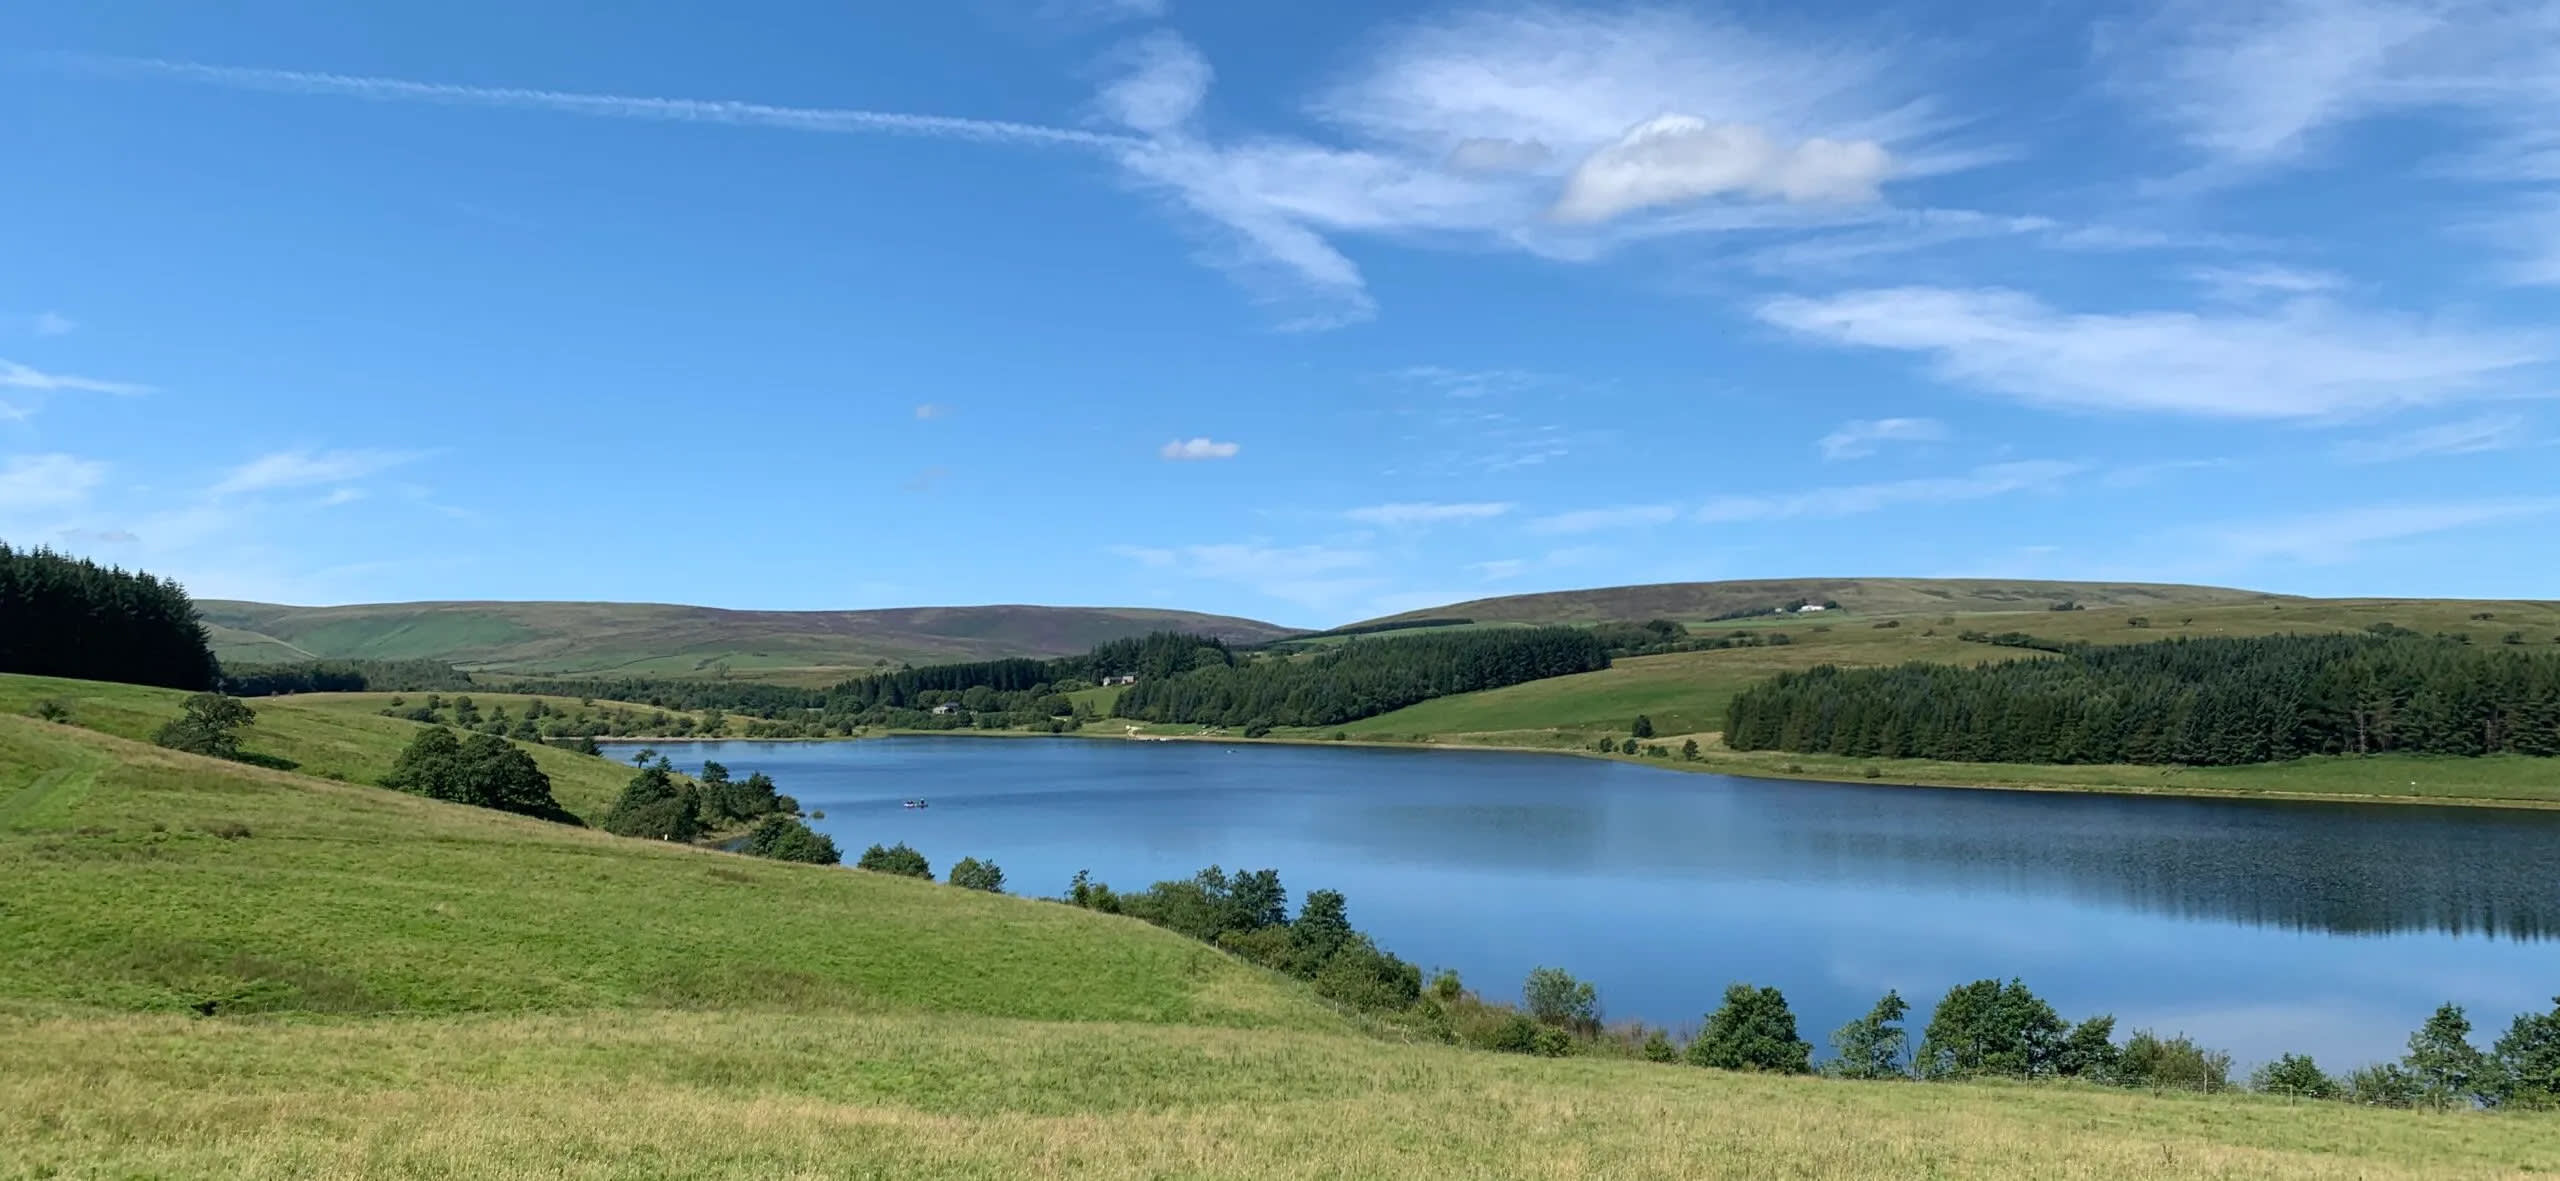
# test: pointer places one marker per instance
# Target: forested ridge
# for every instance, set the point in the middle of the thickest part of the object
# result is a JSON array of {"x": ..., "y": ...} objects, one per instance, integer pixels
[
  {"x": 1362, "y": 678},
  {"x": 70, "y": 617},
  {"x": 2210, "y": 701}
]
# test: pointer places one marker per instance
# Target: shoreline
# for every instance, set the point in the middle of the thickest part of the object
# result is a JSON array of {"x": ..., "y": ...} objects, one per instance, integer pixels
[{"x": 1706, "y": 766}]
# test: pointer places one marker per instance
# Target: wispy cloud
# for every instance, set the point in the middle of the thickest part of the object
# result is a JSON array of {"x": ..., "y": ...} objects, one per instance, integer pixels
[
  {"x": 2334, "y": 537},
  {"x": 1470, "y": 383},
  {"x": 54, "y": 324},
  {"x": 1849, "y": 500},
  {"x": 1594, "y": 520},
  {"x": 2306, "y": 359},
  {"x": 1862, "y": 437},
  {"x": 604, "y": 106},
  {"x": 931, "y": 410},
  {"x": 1310, "y": 575},
  {"x": 15, "y": 376},
  {"x": 1409, "y": 513},
  {"x": 296, "y": 469},
  {"x": 2488, "y": 432},
  {"x": 49, "y": 481},
  {"x": 1199, "y": 448}
]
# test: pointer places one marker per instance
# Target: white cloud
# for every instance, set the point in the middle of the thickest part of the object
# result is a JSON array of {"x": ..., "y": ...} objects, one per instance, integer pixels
[
  {"x": 1200, "y": 448},
  {"x": 1501, "y": 569},
  {"x": 54, "y": 324},
  {"x": 1309, "y": 575},
  {"x": 2488, "y": 432},
  {"x": 2305, "y": 359},
  {"x": 2329, "y": 538},
  {"x": 1676, "y": 159},
  {"x": 1597, "y": 519},
  {"x": 2264, "y": 280},
  {"x": 929, "y": 410},
  {"x": 1849, "y": 500},
  {"x": 1862, "y": 437},
  {"x": 1470, "y": 383},
  {"x": 295, "y": 469},
  {"x": 1409, "y": 513},
  {"x": 2252, "y": 82},
  {"x": 20, "y": 377},
  {"x": 1489, "y": 154},
  {"x": 51, "y": 481},
  {"x": 1163, "y": 83}
]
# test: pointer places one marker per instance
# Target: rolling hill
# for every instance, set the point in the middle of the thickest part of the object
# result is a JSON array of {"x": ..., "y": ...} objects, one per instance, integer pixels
[
  {"x": 1694, "y": 601},
  {"x": 651, "y": 639}
]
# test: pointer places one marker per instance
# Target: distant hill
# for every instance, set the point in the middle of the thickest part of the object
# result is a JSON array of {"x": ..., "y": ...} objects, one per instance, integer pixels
[
  {"x": 1691, "y": 601},
  {"x": 650, "y": 639}
]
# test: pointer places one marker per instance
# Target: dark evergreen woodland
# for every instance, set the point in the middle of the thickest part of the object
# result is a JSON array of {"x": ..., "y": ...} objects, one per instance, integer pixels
[
  {"x": 1362, "y": 678},
  {"x": 68, "y": 617},
  {"x": 2190, "y": 701}
]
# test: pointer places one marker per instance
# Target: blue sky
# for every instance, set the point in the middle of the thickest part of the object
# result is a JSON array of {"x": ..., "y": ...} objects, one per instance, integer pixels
[{"x": 1305, "y": 311}]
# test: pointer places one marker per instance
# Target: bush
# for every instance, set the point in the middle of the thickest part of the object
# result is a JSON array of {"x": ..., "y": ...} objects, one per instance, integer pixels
[
  {"x": 1689, "y": 750},
  {"x": 656, "y": 807},
  {"x": 1258, "y": 728},
  {"x": 209, "y": 725},
  {"x": 1554, "y": 997},
  {"x": 969, "y": 873},
  {"x": 2296, "y": 1075},
  {"x": 1364, "y": 977},
  {"x": 895, "y": 859},
  {"x": 1988, "y": 1027},
  {"x": 51, "y": 709},
  {"x": 1752, "y": 1030},
  {"x": 2528, "y": 1059},
  {"x": 785, "y": 839},
  {"x": 2173, "y": 1064},
  {"x": 1658, "y": 1048},
  {"x": 1872, "y": 1046},
  {"x": 485, "y": 772},
  {"x": 1643, "y": 727},
  {"x": 2382, "y": 1085}
]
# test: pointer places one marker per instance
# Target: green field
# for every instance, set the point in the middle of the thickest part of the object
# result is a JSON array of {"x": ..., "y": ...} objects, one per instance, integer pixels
[
  {"x": 1873, "y": 596},
  {"x": 1685, "y": 694},
  {"x": 225, "y": 971},
  {"x": 329, "y": 736},
  {"x": 651, "y": 639}
]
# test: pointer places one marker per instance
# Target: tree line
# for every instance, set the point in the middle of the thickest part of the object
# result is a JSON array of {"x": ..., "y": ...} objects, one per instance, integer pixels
[
  {"x": 71, "y": 617},
  {"x": 341, "y": 676},
  {"x": 1362, "y": 677},
  {"x": 2196, "y": 701}
]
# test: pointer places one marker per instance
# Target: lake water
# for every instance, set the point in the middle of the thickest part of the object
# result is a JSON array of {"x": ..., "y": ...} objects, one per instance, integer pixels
[{"x": 2257, "y": 927}]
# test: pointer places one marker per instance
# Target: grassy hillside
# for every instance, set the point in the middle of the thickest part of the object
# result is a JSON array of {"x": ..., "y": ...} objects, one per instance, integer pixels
[
  {"x": 1686, "y": 694},
  {"x": 1689, "y": 601},
  {"x": 647, "y": 639},
  {"x": 218, "y": 970},
  {"x": 320, "y": 736}
]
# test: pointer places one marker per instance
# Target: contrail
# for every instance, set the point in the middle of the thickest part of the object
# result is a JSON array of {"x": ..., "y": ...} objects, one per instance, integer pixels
[{"x": 609, "y": 106}]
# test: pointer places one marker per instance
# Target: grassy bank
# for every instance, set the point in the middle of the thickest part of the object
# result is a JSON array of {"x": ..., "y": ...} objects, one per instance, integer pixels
[
  {"x": 749, "y": 1095},
  {"x": 220, "y": 970},
  {"x": 314, "y": 735}
]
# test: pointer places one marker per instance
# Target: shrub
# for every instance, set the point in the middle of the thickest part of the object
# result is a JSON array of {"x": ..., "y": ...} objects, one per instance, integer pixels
[
  {"x": 895, "y": 859},
  {"x": 653, "y": 805},
  {"x": 785, "y": 839},
  {"x": 2173, "y": 1064},
  {"x": 1554, "y": 997},
  {"x": 1627, "y": 747},
  {"x": 1446, "y": 986},
  {"x": 2382, "y": 1085},
  {"x": 2296, "y": 1075},
  {"x": 1258, "y": 728},
  {"x": 1752, "y": 1030},
  {"x": 485, "y": 772},
  {"x": 2528, "y": 1059},
  {"x": 209, "y": 724},
  {"x": 51, "y": 709},
  {"x": 1689, "y": 750},
  {"x": 969, "y": 873},
  {"x": 1872, "y": 1046},
  {"x": 1364, "y": 977},
  {"x": 1643, "y": 727},
  {"x": 1988, "y": 1027},
  {"x": 1658, "y": 1048}
]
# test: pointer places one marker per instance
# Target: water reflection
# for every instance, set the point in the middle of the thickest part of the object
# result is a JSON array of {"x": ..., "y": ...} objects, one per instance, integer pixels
[{"x": 1664, "y": 885}]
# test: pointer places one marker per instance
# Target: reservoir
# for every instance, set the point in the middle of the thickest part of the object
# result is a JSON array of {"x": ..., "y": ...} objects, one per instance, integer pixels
[{"x": 2256, "y": 927}]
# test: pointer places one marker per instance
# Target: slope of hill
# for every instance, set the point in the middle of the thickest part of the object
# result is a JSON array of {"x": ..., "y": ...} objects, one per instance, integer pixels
[
  {"x": 472, "y": 994},
  {"x": 1695, "y": 601},
  {"x": 651, "y": 639}
]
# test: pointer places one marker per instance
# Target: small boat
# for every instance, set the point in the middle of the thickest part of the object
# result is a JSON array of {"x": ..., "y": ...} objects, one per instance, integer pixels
[{"x": 917, "y": 804}]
